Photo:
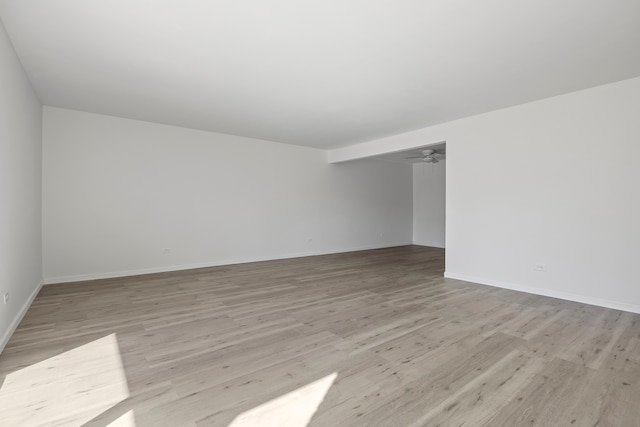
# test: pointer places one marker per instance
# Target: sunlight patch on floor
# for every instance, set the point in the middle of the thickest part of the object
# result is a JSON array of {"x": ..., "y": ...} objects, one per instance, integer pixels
[
  {"x": 126, "y": 420},
  {"x": 68, "y": 389},
  {"x": 293, "y": 409}
]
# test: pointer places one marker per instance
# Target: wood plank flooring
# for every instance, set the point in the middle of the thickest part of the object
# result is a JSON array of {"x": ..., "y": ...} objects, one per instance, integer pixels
[{"x": 253, "y": 344}]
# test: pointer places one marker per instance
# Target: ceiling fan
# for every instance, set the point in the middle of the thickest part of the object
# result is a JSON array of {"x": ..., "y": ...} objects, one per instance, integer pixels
[{"x": 428, "y": 156}]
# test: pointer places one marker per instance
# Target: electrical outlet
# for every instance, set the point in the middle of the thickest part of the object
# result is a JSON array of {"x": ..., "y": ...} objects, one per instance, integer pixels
[
  {"x": 6, "y": 297},
  {"x": 539, "y": 267}
]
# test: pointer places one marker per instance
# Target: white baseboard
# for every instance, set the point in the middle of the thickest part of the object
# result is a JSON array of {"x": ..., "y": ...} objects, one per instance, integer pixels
[
  {"x": 16, "y": 321},
  {"x": 632, "y": 308},
  {"x": 427, "y": 246},
  {"x": 138, "y": 272}
]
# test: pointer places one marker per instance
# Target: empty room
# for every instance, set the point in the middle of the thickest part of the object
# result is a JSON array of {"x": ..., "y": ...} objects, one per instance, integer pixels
[{"x": 291, "y": 214}]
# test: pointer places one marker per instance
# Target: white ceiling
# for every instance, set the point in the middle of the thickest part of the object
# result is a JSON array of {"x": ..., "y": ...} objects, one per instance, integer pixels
[{"x": 323, "y": 73}]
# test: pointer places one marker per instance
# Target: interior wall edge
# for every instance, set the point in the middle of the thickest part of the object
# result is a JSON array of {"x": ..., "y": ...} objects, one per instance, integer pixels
[{"x": 568, "y": 296}]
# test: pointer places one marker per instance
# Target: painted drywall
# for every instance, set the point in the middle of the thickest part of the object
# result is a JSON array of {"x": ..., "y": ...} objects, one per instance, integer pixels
[
  {"x": 429, "y": 204},
  {"x": 553, "y": 183},
  {"x": 20, "y": 190},
  {"x": 125, "y": 197}
]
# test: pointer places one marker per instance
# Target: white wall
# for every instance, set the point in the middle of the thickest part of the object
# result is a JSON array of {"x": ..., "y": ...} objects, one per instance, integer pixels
[
  {"x": 118, "y": 192},
  {"x": 553, "y": 182},
  {"x": 429, "y": 204},
  {"x": 20, "y": 190}
]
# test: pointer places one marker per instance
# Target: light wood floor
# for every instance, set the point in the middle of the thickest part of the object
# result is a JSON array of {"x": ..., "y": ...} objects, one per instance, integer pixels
[{"x": 409, "y": 348}]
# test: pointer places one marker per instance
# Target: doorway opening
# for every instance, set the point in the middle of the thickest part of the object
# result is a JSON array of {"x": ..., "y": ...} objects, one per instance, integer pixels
[{"x": 429, "y": 196}]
